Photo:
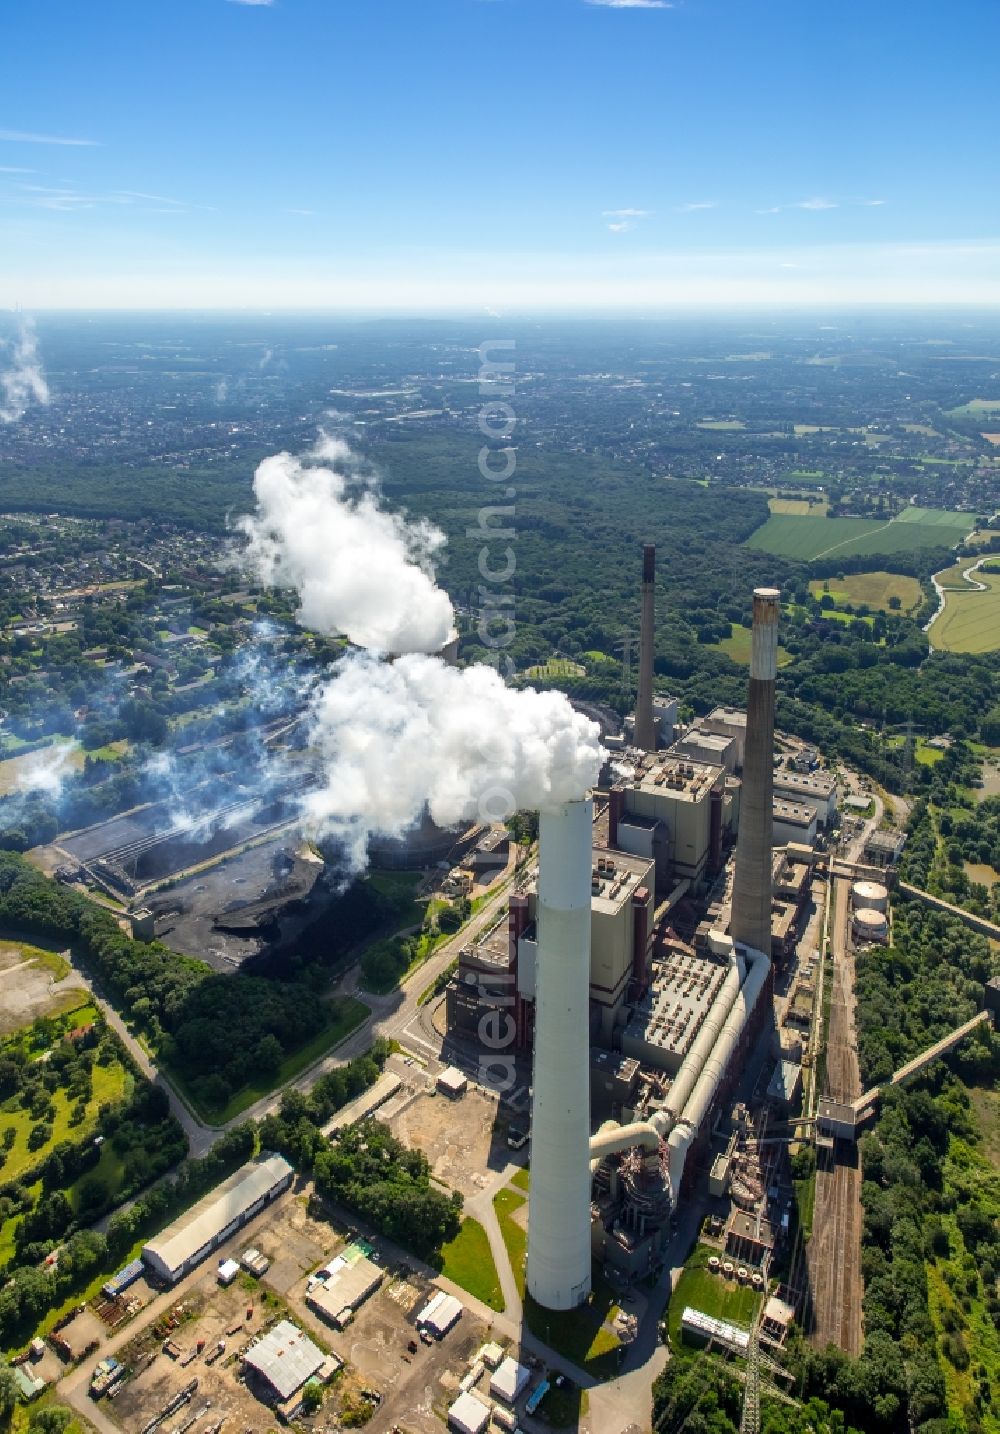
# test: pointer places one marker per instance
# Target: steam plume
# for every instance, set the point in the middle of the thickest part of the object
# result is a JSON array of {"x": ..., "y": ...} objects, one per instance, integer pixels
[
  {"x": 23, "y": 382},
  {"x": 396, "y": 738},
  {"x": 358, "y": 569},
  {"x": 399, "y": 739}
]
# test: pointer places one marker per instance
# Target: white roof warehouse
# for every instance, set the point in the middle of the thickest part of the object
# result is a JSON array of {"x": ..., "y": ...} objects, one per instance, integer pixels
[{"x": 194, "y": 1235}]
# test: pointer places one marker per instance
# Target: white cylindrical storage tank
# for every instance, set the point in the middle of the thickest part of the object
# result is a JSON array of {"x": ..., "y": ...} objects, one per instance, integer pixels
[
  {"x": 870, "y": 925},
  {"x": 559, "y": 1205},
  {"x": 869, "y": 896}
]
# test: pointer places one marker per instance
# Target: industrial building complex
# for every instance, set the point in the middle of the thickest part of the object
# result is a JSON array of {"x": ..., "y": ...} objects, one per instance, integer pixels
[{"x": 636, "y": 961}]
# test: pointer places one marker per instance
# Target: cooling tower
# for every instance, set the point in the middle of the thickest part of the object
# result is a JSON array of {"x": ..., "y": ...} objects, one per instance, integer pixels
[
  {"x": 559, "y": 1207},
  {"x": 751, "y": 919},
  {"x": 645, "y": 727}
]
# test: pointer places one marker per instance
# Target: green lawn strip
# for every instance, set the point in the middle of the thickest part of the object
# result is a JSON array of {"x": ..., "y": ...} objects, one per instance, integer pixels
[
  {"x": 347, "y": 1014},
  {"x": 109, "y": 1084},
  {"x": 506, "y": 1203},
  {"x": 711, "y": 1294},
  {"x": 805, "y": 1201},
  {"x": 468, "y": 1261},
  {"x": 522, "y": 1179}
]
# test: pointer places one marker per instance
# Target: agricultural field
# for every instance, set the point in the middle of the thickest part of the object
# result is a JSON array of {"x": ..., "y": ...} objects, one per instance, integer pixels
[
  {"x": 33, "y": 767},
  {"x": 805, "y": 539},
  {"x": 970, "y": 620},
  {"x": 721, "y": 425},
  {"x": 875, "y": 589},
  {"x": 976, "y": 408},
  {"x": 799, "y": 507}
]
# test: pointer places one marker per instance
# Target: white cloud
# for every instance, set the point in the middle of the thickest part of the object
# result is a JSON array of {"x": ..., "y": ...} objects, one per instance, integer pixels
[
  {"x": 696, "y": 204},
  {"x": 622, "y": 4},
  {"x": 307, "y": 212},
  {"x": 14, "y": 169},
  {"x": 622, "y": 227},
  {"x": 18, "y": 136},
  {"x": 625, "y": 213},
  {"x": 817, "y": 202},
  {"x": 871, "y": 203},
  {"x": 251, "y": 2}
]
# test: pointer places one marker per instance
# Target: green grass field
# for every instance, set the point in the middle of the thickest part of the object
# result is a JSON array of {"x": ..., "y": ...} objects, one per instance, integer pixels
[
  {"x": 738, "y": 647},
  {"x": 346, "y": 1014},
  {"x": 970, "y": 621},
  {"x": 468, "y": 1260},
  {"x": 874, "y": 588},
  {"x": 805, "y": 539},
  {"x": 699, "y": 1288},
  {"x": 109, "y": 1084}
]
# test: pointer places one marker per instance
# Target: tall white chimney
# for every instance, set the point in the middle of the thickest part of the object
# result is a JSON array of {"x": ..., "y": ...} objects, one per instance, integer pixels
[{"x": 559, "y": 1205}]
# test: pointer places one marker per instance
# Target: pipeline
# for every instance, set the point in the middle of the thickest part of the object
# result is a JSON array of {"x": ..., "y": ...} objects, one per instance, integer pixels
[{"x": 690, "y": 1097}]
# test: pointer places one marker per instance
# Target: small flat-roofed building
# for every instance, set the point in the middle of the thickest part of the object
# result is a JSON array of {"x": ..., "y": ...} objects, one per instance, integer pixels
[
  {"x": 835, "y": 1120},
  {"x": 468, "y": 1415},
  {"x": 254, "y": 1262},
  {"x": 509, "y": 1381},
  {"x": 815, "y": 789},
  {"x": 452, "y": 1082},
  {"x": 884, "y": 848},
  {"x": 202, "y": 1229},
  {"x": 749, "y": 1238},
  {"x": 438, "y": 1317},
  {"x": 285, "y": 1359},
  {"x": 793, "y": 822},
  {"x": 777, "y": 1320},
  {"x": 345, "y": 1284}
]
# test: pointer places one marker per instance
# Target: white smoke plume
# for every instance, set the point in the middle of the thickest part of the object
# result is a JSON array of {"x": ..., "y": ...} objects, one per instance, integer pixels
[
  {"x": 22, "y": 381},
  {"x": 400, "y": 739},
  {"x": 396, "y": 738},
  {"x": 321, "y": 528}
]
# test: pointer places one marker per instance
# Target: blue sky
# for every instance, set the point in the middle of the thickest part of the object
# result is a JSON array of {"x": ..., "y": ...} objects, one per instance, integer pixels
[{"x": 434, "y": 155}]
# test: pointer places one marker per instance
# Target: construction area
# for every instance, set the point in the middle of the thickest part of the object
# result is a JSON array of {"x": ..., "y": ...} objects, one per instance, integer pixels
[{"x": 465, "y": 1140}]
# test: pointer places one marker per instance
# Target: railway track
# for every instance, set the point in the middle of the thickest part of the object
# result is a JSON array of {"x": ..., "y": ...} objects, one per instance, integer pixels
[{"x": 834, "y": 1255}]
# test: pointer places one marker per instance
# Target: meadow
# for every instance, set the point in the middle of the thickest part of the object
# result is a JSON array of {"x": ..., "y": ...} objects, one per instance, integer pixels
[
  {"x": 874, "y": 589},
  {"x": 970, "y": 621},
  {"x": 737, "y": 647},
  {"x": 804, "y": 539}
]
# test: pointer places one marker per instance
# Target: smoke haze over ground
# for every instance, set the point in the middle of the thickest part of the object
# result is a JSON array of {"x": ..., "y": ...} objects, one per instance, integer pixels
[
  {"x": 320, "y": 528},
  {"x": 22, "y": 381}
]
